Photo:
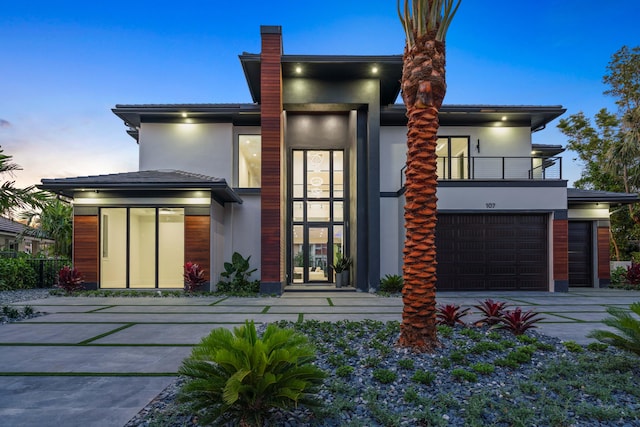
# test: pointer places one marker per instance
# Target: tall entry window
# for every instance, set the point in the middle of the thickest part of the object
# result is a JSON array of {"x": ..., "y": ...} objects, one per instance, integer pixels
[
  {"x": 317, "y": 213},
  {"x": 141, "y": 247}
]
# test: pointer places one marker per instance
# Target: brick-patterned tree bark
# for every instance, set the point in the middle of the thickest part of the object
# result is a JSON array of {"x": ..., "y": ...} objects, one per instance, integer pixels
[{"x": 423, "y": 90}]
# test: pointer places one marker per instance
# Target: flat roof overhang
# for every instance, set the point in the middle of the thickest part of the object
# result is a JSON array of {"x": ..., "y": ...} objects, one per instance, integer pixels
[
  {"x": 577, "y": 196},
  {"x": 143, "y": 181},
  {"x": 331, "y": 68},
  {"x": 534, "y": 116}
]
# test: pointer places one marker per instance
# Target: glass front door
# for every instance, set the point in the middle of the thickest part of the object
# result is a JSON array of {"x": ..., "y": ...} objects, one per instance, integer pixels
[{"x": 317, "y": 213}]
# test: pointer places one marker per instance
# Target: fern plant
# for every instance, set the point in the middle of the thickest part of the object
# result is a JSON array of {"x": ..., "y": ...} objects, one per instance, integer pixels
[
  {"x": 239, "y": 377},
  {"x": 628, "y": 327}
]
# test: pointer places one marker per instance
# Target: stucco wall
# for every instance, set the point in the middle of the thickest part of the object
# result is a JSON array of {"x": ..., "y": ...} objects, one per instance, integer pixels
[
  {"x": 204, "y": 148},
  {"x": 242, "y": 231},
  {"x": 502, "y": 198}
]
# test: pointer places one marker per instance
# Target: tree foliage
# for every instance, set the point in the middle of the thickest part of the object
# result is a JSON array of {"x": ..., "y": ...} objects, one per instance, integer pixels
[
  {"x": 12, "y": 198},
  {"x": 609, "y": 147},
  {"x": 54, "y": 221}
]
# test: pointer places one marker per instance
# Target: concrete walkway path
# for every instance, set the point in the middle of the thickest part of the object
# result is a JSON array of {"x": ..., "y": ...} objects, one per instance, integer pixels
[{"x": 98, "y": 361}]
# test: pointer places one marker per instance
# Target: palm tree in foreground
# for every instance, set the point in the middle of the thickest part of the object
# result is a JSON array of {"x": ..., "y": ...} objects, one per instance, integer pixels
[
  {"x": 423, "y": 88},
  {"x": 13, "y": 198}
]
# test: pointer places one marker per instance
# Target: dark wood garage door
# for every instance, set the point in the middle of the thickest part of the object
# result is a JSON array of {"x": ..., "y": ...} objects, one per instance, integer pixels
[
  {"x": 492, "y": 252},
  {"x": 580, "y": 247}
]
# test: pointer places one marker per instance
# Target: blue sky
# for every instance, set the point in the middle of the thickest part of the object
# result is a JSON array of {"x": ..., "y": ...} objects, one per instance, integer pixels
[{"x": 65, "y": 64}]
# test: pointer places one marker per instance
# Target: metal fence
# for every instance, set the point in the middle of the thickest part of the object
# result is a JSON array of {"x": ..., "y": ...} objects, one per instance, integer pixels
[{"x": 46, "y": 269}]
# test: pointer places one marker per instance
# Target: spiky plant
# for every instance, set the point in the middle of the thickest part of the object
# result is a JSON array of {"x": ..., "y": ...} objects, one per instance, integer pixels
[
  {"x": 239, "y": 377},
  {"x": 518, "y": 322},
  {"x": 627, "y": 325},
  {"x": 70, "y": 279},
  {"x": 450, "y": 315},
  {"x": 194, "y": 277},
  {"x": 425, "y": 23},
  {"x": 491, "y": 311}
]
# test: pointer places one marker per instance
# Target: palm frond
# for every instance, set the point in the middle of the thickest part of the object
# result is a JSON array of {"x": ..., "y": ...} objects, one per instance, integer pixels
[{"x": 421, "y": 17}]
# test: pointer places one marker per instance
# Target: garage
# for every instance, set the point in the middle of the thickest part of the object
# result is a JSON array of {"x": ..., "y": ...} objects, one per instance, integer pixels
[{"x": 496, "y": 252}]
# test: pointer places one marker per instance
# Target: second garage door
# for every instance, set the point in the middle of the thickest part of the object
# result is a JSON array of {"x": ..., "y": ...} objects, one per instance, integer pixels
[{"x": 492, "y": 252}]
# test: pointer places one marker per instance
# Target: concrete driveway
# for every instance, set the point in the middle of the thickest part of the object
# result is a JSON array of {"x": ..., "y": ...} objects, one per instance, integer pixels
[{"x": 98, "y": 361}]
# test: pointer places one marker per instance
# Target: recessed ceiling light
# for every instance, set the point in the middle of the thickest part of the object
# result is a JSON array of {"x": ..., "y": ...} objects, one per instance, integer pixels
[
  {"x": 504, "y": 118},
  {"x": 298, "y": 69},
  {"x": 184, "y": 114},
  {"x": 374, "y": 70}
]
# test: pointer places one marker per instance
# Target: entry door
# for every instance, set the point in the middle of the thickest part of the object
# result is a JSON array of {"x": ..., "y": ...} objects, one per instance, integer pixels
[
  {"x": 580, "y": 254},
  {"x": 317, "y": 214}
]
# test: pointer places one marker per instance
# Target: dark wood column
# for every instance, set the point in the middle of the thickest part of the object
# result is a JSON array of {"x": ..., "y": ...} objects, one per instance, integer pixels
[
  {"x": 85, "y": 248},
  {"x": 561, "y": 255},
  {"x": 604, "y": 266},
  {"x": 271, "y": 122}
]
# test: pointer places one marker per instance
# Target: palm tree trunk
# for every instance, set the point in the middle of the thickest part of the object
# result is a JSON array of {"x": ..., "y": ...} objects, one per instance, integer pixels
[{"x": 423, "y": 89}]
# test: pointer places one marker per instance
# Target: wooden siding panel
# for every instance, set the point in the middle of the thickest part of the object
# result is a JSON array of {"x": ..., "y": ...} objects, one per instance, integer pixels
[
  {"x": 271, "y": 124},
  {"x": 604, "y": 269},
  {"x": 560, "y": 249},
  {"x": 85, "y": 246},
  {"x": 197, "y": 238}
]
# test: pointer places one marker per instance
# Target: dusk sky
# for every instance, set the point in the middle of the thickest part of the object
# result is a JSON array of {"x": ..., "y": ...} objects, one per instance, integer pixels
[{"x": 65, "y": 64}]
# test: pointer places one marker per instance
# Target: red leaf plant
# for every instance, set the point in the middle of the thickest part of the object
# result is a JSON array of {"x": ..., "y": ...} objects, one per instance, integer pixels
[
  {"x": 491, "y": 311},
  {"x": 193, "y": 277},
  {"x": 518, "y": 322},
  {"x": 450, "y": 315},
  {"x": 70, "y": 279}
]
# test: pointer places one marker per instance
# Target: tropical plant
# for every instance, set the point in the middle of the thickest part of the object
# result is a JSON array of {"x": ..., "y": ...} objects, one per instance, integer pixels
[
  {"x": 491, "y": 311},
  {"x": 391, "y": 283},
  {"x": 53, "y": 221},
  {"x": 450, "y": 315},
  {"x": 342, "y": 263},
  {"x": 425, "y": 24},
  {"x": 518, "y": 322},
  {"x": 70, "y": 279},
  {"x": 632, "y": 275},
  {"x": 194, "y": 277},
  {"x": 239, "y": 377},
  {"x": 627, "y": 336},
  {"x": 238, "y": 272},
  {"x": 12, "y": 198}
]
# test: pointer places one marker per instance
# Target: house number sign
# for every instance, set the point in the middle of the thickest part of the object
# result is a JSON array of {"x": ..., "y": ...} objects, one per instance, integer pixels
[{"x": 490, "y": 205}]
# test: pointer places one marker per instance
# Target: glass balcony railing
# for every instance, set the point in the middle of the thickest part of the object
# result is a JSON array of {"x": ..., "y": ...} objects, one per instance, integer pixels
[{"x": 497, "y": 168}]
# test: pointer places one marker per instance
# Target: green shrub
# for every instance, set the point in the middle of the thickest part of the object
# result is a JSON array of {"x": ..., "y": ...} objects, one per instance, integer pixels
[
  {"x": 618, "y": 277},
  {"x": 344, "y": 371},
  {"x": 238, "y": 377},
  {"x": 464, "y": 375},
  {"x": 573, "y": 347},
  {"x": 391, "y": 283},
  {"x": 238, "y": 272},
  {"x": 385, "y": 376},
  {"x": 423, "y": 377},
  {"x": 406, "y": 363},
  {"x": 597, "y": 346},
  {"x": 16, "y": 273},
  {"x": 483, "y": 368},
  {"x": 628, "y": 327}
]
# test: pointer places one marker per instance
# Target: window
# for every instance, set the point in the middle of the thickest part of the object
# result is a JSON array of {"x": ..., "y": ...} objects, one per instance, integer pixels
[
  {"x": 142, "y": 247},
  {"x": 249, "y": 161},
  {"x": 453, "y": 157}
]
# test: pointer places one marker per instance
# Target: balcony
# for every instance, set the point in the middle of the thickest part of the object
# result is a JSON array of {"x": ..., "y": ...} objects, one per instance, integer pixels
[{"x": 497, "y": 168}]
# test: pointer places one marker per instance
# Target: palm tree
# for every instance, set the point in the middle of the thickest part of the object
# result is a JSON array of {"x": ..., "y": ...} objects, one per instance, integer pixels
[
  {"x": 423, "y": 88},
  {"x": 12, "y": 198}
]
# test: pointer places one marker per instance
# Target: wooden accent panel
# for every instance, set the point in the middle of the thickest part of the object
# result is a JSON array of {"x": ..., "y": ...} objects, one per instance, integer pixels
[
  {"x": 560, "y": 249},
  {"x": 604, "y": 268},
  {"x": 85, "y": 246},
  {"x": 197, "y": 242},
  {"x": 271, "y": 123}
]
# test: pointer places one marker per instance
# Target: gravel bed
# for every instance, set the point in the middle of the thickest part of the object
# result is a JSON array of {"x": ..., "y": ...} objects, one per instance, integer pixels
[
  {"x": 10, "y": 297},
  {"x": 508, "y": 396}
]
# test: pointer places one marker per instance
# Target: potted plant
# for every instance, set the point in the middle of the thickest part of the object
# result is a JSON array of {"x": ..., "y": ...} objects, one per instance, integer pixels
[{"x": 341, "y": 268}]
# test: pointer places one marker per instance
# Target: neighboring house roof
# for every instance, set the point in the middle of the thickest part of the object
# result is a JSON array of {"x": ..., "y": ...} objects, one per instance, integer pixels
[
  {"x": 144, "y": 180},
  {"x": 575, "y": 195},
  {"x": 8, "y": 226}
]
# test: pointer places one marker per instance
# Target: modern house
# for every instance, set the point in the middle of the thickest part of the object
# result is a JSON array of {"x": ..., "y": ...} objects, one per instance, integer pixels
[{"x": 313, "y": 168}]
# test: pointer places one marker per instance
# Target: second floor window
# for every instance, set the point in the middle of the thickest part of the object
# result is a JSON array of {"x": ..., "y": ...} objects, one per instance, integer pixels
[{"x": 249, "y": 161}]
